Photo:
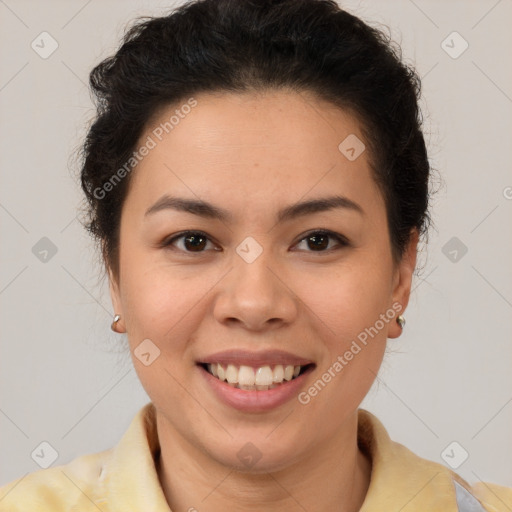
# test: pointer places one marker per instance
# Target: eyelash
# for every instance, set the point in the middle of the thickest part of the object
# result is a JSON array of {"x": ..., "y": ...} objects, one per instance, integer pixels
[{"x": 342, "y": 241}]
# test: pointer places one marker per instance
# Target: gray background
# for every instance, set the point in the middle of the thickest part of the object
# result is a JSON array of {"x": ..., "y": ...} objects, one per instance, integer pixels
[{"x": 68, "y": 380}]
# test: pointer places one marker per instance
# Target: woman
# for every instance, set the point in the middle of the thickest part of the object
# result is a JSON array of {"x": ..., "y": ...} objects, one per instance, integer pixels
[{"x": 258, "y": 183}]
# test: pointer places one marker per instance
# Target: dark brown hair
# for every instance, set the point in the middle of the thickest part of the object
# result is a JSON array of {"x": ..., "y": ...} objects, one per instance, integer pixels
[{"x": 258, "y": 45}]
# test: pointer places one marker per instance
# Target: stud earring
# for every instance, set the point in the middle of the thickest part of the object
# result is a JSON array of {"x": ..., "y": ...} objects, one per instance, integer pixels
[
  {"x": 400, "y": 320},
  {"x": 114, "y": 323}
]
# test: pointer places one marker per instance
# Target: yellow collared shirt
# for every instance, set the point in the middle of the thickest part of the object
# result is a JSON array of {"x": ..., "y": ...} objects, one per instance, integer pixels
[{"x": 124, "y": 478}]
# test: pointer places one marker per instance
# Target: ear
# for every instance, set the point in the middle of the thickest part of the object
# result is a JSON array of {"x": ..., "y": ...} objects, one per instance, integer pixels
[
  {"x": 115, "y": 297},
  {"x": 402, "y": 281}
]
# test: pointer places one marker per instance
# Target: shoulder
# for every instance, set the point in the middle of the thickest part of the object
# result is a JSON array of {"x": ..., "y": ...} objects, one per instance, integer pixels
[
  {"x": 494, "y": 497},
  {"x": 400, "y": 476},
  {"x": 121, "y": 477},
  {"x": 68, "y": 487}
]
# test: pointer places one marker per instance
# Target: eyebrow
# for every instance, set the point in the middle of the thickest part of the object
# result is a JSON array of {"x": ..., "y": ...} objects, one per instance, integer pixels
[{"x": 208, "y": 210}]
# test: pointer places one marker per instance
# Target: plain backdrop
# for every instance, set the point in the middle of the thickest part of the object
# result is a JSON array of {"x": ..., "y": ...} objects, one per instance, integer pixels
[{"x": 68, "y": 380}]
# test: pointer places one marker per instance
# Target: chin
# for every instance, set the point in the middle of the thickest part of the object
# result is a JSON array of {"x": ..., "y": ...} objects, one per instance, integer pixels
[{"x": 256, "y": 455}]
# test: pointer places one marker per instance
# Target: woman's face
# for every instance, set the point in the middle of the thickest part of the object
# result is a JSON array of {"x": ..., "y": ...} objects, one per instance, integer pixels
[{"x": 258, "y": 287}]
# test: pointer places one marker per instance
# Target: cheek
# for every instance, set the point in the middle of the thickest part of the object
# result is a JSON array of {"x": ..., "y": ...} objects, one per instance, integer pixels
[
  {"x": 349, "y": 303},
  {"x": 164, "y": 309},
  {"x": 162, "y": 302},
  {"x": 348, "y": 297}
]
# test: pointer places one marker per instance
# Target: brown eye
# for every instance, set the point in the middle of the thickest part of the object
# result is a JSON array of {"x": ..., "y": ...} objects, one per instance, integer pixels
[
  {"x": 196, "y": 241},
  {"x": 318, "y": 241},
  {"x": 193, "y": 241}
]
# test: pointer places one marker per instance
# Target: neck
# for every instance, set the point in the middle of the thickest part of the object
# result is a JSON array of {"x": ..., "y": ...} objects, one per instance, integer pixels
[{"x": 333, "y": 476}]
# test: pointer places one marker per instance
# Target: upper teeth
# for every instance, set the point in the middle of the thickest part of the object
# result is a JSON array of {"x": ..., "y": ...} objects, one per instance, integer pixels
[{"x": 248, "y": 377}]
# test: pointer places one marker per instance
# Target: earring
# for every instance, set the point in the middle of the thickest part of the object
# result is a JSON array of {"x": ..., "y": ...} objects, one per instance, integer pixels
[
  {"x": 400, "y": 320},
  {"x": 114, "y": 323}
]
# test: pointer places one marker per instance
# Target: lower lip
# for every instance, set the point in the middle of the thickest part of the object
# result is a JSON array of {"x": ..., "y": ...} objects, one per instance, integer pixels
[{"x": 255, "y": 401}]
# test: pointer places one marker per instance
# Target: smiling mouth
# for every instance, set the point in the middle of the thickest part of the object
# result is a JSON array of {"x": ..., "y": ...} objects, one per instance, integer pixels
[{"x": 261, "y": 378}]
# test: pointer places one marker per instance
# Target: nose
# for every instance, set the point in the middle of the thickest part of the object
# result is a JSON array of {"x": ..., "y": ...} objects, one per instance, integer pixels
[{"x": 255, "y": 293}]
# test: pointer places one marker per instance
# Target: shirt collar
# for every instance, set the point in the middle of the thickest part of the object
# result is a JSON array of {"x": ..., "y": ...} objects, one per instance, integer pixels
[
  {"x": 400, "y": 480},
  {"x": 131, "y": 477}
]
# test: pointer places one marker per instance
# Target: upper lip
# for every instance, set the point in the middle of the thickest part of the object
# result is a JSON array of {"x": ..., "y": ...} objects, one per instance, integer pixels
[{"x": 255, "y": 359}]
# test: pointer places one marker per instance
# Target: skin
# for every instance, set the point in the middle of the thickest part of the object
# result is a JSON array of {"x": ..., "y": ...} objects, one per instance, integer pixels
[{"x": 253, "y": 154}]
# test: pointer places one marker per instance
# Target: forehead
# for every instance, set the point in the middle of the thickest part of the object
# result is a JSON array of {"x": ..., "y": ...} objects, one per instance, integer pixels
[{"x": 279, "y": 145}]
